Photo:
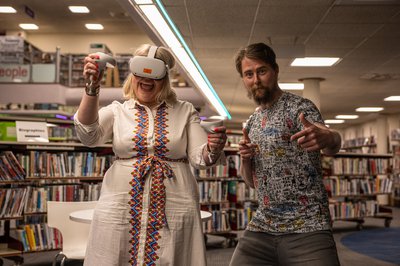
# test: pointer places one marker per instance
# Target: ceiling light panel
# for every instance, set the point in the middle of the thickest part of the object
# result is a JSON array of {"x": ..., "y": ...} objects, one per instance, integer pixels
[
  {"x": 7, "y": 9},
  {"x": 94, "y": 26},
  {"x": 346, "y": 116},
  {"x": 334, "y": 121},
  {"x": 392, "y": 98},
  {"x": 369, "y": 109},
  {"x": 79, "y": 9},
  {"x": 28, "y": 26},
  {"x": 291, "y": 86},
  {"x": 315, "y": 61}
]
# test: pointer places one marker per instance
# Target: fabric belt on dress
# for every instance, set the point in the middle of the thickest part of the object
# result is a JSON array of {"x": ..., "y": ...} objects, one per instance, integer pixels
[{"x": 156, "y": 209}]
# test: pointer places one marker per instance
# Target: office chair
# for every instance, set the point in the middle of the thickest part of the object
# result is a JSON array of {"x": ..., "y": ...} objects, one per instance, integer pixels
[{"x": 74, "y": 234}]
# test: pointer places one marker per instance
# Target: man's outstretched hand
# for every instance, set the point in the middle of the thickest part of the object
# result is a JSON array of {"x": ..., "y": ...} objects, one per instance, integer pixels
[{"x": 316, "y": 137}]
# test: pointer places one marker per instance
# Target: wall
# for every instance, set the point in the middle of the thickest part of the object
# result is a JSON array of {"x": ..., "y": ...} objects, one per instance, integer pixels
[{"x": 79, "y": 43}]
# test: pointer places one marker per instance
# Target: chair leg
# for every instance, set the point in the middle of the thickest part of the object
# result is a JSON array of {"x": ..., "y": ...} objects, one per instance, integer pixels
[
  {"x": 56, "y": 257},
  {"x": 63, "y": 261}
]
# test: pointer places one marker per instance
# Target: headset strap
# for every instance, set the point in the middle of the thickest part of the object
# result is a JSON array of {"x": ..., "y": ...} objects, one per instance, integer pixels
[{"x": 152, "y": 51}]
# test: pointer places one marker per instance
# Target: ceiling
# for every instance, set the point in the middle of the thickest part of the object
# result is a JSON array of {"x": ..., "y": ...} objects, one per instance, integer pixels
[{"x": 364, "y": 33}]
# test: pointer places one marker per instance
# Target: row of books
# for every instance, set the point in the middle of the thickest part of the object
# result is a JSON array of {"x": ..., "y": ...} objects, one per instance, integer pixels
[
  {"x": 10, "y": 168},
  {"x": 356, "y": 209},
  {"x": 213, "y": 191},
  {"x": 65, "y": 133},
  {"x": 229, "y": 190},
  {"x": 230, "y": 169},
  {"x": 239, "y": 218},
  {"x": 339, "y": 186},
  {"x": 219, "y": 222},
  {"x": 14, "y": 202},
  {"x": 215, "y": 171},
  {"x": 359, "y": 142},
  {"x": 37, "y": 197},
  {"x": 35, "y": 237},
  {"x": 65, "y": 164},
  {"x": 359, "y": 166}
]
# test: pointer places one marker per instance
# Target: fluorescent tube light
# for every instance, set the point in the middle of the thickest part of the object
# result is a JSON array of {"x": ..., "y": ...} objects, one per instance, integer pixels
[
  {"x": 143, "y": 2},
  {"x": 392, "y": 98},
  {"x": 291, "y": 86},
  {"x": 315, "y": 61},
  {"x": 346, "y": 116},
  {"x": 369, "y": 109},
  {"x": 157, "y": 16},
  {"x": 79, "y": 9},
  {"x": 7, "y": 9},
  {"x": 29, "y": 26},
  {"x": 161, "y": 25},
  {"x": 334, "y": 121},
  {"x": 94, "y": 26}
]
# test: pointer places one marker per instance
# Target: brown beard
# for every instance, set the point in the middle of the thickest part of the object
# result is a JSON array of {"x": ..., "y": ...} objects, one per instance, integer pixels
[{"x": 265, "y": 97}]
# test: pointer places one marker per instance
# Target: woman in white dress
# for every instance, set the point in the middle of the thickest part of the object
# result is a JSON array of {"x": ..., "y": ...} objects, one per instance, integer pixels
[{"x": 148, "y": 211}]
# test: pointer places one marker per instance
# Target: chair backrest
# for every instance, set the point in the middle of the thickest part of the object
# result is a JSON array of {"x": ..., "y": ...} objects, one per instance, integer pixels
[{"x": 74, "y": 234}]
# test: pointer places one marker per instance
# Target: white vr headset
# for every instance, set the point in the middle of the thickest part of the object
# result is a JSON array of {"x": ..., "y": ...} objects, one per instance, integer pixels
[{"x": 148, "y": 66}]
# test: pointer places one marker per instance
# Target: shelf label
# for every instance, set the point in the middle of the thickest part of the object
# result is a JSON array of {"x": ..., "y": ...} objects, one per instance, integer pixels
[{"x": 32, "y": 131}]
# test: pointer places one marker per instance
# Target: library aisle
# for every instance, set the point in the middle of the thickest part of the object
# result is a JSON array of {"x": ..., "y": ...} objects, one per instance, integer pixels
[{"x": 218, "y": 256}]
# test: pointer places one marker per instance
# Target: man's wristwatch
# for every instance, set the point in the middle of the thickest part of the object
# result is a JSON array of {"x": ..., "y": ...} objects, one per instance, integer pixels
[{"x": 91, "y": 89}]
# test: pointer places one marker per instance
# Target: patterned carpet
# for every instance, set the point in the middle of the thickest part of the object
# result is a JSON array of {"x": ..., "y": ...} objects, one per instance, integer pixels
[{"x": 382, "y": 243}]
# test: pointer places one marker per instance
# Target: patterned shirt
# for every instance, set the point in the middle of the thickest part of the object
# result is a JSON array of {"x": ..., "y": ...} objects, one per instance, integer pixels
[{"x": 288, "y": 179}]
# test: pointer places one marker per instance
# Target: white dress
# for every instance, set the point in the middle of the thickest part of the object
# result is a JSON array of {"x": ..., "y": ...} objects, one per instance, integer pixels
[{"x": 137, "y": 221}]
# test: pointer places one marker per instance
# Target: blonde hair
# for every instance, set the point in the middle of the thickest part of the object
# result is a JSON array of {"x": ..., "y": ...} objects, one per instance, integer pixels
[{"x": 166, "y": 93}]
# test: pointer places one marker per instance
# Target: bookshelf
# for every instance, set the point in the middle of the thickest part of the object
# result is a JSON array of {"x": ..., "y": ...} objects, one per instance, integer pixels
[
  {"x": 360, "y": 145},
  {"x": 355, "y": 182},
  {"x": 395, "y": 140},
  {"x": 33, "y": 172},
  {"x": 224, "y": 193}
]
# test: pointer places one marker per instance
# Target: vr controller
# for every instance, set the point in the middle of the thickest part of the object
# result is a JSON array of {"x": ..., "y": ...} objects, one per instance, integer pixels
[
  {"x": 105, "y": 60},
  {"x": 148, "y": 66}
]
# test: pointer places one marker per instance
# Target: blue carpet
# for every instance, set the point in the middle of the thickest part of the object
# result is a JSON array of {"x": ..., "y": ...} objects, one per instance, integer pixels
[{"x": 382, "y": 243}]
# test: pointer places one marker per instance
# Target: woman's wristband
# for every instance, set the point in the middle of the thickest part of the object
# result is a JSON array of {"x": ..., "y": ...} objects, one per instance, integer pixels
[
  {"x": 212, "y": 156},
  {"x": 92, "y": 90}
]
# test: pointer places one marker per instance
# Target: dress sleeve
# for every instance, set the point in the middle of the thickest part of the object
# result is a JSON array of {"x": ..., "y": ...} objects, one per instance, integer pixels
[
  {"x": 197, "y": 140},
  {"x": 99, "y": 132}
]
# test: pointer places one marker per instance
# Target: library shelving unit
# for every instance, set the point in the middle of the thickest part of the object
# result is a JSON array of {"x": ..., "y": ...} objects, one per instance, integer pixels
[
  {"x": 360, "y": 145},
  {"x": 395, "y": 139},
  {"x": 224, "y": 194},
  {"x": 16, "y": 50},
  {"x": 354, "y": 183},
  {"x": 71, "y": 69},
  {"x": 33, "y": 172}
]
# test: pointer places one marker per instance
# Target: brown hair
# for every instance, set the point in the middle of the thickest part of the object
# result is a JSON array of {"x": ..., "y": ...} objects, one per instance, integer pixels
[
  {"x": 259, "y": 51},
  {"x": 166, "y": 93}
]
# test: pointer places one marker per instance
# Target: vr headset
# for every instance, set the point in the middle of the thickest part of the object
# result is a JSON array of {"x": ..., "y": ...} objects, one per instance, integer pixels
[{"x": 148, "y": 66}]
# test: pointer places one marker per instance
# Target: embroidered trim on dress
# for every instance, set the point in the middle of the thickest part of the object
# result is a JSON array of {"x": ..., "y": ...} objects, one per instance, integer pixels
[{"x": 159, "y": 169}]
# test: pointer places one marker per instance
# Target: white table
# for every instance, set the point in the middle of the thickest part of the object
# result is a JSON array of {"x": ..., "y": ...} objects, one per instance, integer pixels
[{"x": 86, "y": 216}]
